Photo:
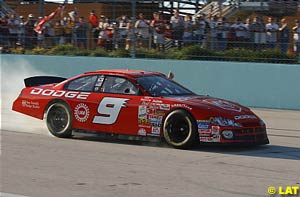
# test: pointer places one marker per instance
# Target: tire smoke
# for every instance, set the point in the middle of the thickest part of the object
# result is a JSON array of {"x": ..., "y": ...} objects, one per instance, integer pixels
[{"x": 12, "y": 82}]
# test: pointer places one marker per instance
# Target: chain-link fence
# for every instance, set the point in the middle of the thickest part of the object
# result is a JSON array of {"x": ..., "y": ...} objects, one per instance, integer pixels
[{"x": 159, "y": 34}]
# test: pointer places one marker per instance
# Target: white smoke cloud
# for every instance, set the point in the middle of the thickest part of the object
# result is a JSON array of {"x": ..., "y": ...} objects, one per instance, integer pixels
[{"x": 12, "y": 82}]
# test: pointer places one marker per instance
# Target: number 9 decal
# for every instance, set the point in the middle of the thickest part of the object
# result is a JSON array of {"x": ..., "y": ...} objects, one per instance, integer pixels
[{"x": 109, "y": 109}]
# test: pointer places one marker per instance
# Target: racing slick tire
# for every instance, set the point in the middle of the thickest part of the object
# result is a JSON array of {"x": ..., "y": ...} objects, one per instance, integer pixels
[
  {"x": 59, "y": 120},
  {"x": 180, "y": 130}
]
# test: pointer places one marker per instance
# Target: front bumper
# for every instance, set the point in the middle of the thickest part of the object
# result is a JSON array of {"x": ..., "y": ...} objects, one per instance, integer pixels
[
  {"x": 257, "y": 135},
  {"x": 241, "y": 136}
]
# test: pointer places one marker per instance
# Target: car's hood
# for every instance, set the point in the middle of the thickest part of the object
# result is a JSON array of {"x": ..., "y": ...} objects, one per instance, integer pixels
[{"x": 215, "y": 105}]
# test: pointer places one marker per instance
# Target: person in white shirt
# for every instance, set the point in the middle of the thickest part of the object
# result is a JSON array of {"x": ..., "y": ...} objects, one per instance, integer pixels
[
  {"x": 188, "y": 30},
  {"x": 258, "y": 31},
  {"x": 241, "y": 31},
  {"x": 199, "y": 30},
  {"x": 13, "y": 28},
  {"x": 213, "y": 33},
  {"x": 222, "y": 30},
  {"x": 142, "y": 30},
  {"x": 296, "y": 37},
  {"x": 177, "y": 23},
  {"x": 271, "y": 28}
]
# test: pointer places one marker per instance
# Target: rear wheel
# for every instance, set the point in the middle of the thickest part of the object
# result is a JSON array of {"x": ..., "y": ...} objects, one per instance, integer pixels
[
  {"x": 59, "y": 120},
  {"x": 180, "y": 130}
]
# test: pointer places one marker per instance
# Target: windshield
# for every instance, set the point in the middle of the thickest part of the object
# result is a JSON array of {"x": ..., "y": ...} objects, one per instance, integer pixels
[{"x": 161, "y": 86}]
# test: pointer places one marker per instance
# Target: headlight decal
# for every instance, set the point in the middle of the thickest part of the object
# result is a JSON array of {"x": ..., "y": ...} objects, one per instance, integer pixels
[{"x": 220, "y": 121}]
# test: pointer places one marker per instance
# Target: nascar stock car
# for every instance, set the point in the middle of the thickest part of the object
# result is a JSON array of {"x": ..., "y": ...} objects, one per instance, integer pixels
[{"x": 137, "y": 104}]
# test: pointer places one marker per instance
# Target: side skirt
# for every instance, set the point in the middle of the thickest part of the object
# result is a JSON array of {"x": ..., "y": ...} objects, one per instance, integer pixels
[{"x": 115, "y": 136}]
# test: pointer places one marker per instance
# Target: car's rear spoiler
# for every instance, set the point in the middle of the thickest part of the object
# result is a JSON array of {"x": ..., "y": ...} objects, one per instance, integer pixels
[{"x": 42, "y": 80}]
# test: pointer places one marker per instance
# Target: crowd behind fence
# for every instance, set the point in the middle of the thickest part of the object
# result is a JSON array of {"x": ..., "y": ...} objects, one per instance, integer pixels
[{"x": 159, "y": 32}]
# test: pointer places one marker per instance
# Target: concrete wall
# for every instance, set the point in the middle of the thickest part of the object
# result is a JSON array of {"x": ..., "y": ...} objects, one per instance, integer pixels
[{"x": 251, "y": 84}]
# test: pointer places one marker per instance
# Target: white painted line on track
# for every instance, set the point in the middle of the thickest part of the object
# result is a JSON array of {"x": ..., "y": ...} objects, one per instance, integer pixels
[{"x": 11, "y": 195}]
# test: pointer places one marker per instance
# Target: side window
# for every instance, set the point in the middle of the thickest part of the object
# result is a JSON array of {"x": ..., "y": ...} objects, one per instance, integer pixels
[
  {"x": 118, "y": 85},
  {"x": 85, "y": 84}
]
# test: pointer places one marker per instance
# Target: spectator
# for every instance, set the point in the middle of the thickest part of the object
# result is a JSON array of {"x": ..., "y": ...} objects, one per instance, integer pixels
[
  {"x": 81, "y": 30},
  {"x": 177, "y": 25},
  {"x": 30, "y": 34},
  {"x": 284, "y": 36},
  {"x": 168, "y": 39},
  {"x": 40, "y": 35},
  {"x": 222, "y": 30},
  {"x": 271, "y": 28},
  {"x": 259, "y": 34},
  {"x": 240, "y": 30},
  {"x": 68, "y": 25},
  {"x": 103, "y": 34},
  {"x": 94, "y": 22},
  {"x": 213, "y": 32},
  {"x": 49, "y": 34},
  {"x": 21, "y": 36},
  {"x": 188, "y": 30},
  {"x": 4, "y": 33},
  {"x": 142, "y": 28},
  {"x": 159, "y": 28},
  {"x": 13, "y": 27},
  {"x": 296, "y": 37},
  {"x": 59, "y": 33},
  {"x": 122, "y": 31},
  {"x": 248, "y": 34},
  {"x": 130, "y": 35},
  {"x": 199, "y": 29}
]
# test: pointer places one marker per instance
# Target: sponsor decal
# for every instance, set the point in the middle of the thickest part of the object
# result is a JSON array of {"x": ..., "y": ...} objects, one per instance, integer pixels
[
  {"x": 210, "y": 135},
  {"x": 160, "y": 112},
  {"x": 142, "y": 132},
  {"x": 143, "y": 121},
  {"x": 99, "y": 83},
  {"x": 155, "y": 120},
  {"x": 156, "y": 101},
  {"x": 241, "y": 117},
  {"x": 60, "y": 93},
  {"x": 181, "y": 106},
  {"x": 81, "y": 112},
  {"x": 204, "y": 133},
  {"x": 142, "y": 112},
  {"x": 144, "y": 126},
  {"x": 225, "y": 105},
  {"x": 185, "y": 98},
  {"x": 209, "y": 139},
  {"x": 164, "y": 107},
  {"x": 203, "y": 124},
  {"x": 155, "y": 130},
  {"x": 30, "y": 104},
  {"x": 215, "y": 132},
  {"x": 205, "y": 139}
]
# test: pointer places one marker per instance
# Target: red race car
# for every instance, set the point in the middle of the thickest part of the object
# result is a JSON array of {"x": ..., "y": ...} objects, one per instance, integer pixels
[{"x": 137, "y": 104}]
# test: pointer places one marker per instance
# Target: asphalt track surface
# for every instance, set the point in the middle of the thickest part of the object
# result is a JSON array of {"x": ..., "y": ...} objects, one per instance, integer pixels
[{"x": 35, "y": 164}]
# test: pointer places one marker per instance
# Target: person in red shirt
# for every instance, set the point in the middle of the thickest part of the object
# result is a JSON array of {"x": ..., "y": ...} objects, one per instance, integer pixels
[
  {"x": 94, "y": 22},
  {"x": 158, "y": 25}
]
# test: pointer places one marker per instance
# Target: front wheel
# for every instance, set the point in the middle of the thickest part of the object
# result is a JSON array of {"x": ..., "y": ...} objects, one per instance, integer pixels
[
  {"x": 59, "y": 120},
  {"x": 180, "y": 130}
]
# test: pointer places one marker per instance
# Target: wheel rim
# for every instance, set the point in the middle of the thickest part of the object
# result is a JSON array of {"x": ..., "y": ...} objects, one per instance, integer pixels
[
  {"x": 178, "y": 129},
  {"x": 58, "y": 119}
]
